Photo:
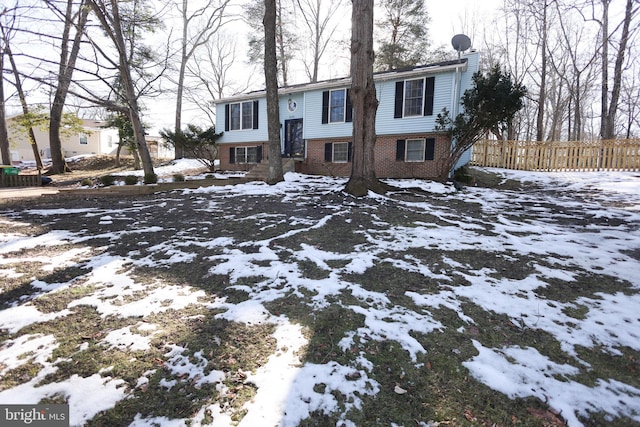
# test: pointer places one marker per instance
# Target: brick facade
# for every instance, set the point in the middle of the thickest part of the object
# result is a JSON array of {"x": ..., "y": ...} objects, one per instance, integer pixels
[
  {"x": 224, "y": 156},
  {"x": 385, "y": 154},
  {"x": 386, "y": 164}
]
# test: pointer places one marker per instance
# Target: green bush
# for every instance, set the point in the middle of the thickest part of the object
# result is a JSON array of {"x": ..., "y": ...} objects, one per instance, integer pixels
[
  {"x": 130, "y": 180},
  {"x": 178, "y": 177},
  {"x": 150, "y": 178},
  {"x": 107, "y": 180},
  {"x": 87, "y": 182}
]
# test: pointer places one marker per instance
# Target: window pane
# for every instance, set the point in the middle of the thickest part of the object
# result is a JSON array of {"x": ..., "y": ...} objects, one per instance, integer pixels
[
  {"x": 241, "y": 155},
  {"x": 247, "y": 115},
  {"x": 341, "y": 152},
  {"x": 413, "y": 90},
  {"x": 252, "y": 154},
  {"x": 234, "y": 112},
  {"x": 415, "y": 150},
  {"x": 336, "y": 108}
]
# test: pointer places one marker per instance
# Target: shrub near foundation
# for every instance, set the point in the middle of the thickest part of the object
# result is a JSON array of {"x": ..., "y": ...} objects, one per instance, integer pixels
[
  {"x": 107, "y": 180},
  {"x": 130, "y": 180},
  {"x": 150, "y": 178}
]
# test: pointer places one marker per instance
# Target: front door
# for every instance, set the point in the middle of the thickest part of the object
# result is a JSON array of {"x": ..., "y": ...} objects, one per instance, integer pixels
[{"x": 293, "y": 141}]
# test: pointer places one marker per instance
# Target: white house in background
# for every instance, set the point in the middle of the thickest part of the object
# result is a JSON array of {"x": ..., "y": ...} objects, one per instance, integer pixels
[{"x": 95, "y": 139}]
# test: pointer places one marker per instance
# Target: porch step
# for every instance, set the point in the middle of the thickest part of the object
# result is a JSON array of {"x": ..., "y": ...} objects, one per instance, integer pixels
[{"x": 260, "y": 172}]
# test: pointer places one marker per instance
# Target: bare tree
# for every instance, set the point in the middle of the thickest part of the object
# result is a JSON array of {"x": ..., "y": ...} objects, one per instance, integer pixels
[
  {"x": 286, "y": 39},
  {"x": 582, "y": 70},
  {"x": 318, "y": 20},
  {"x": 212, "y": 74},
  {"x": 5, "y": 152},
  {"x": 365, "y": 104},
  {"x": 121, "y": 31},
  {"x": 629, "y": 104},
  {"x": 271, "y": 78},
  {"x": 608, "y": 112},
  {"x": 6, "y": 33},
  {"x": 198, "y": 27},
  {"x": 74, "y": 17},
  {"x": 542, "y": 95}
]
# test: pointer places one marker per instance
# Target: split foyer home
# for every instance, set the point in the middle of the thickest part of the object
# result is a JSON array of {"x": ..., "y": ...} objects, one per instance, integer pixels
[{"x": 316, "y": 128}]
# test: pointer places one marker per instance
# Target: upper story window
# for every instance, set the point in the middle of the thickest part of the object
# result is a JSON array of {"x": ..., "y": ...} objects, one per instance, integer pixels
[
  {"x": 413, "y": 92},
  {"x": 337, "y": 100},
  {"x": 414, "y": 97},
  {"x": 241, "y": 115},
  {"x": 336, "y": 106}
]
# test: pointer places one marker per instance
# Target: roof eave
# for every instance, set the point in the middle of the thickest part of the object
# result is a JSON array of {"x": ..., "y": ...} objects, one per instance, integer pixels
[{"x": 328, "y": 84}]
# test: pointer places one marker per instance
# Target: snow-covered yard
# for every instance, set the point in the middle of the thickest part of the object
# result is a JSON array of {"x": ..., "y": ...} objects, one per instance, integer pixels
[{"x": 295, "y": 304}]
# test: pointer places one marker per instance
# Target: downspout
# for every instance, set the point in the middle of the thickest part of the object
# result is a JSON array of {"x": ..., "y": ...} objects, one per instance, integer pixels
[{"x": 455, "y": 108}]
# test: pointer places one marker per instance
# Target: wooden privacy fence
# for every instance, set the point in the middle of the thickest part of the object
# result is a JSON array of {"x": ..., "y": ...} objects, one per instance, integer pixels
[{"x": 613, "y": 155}]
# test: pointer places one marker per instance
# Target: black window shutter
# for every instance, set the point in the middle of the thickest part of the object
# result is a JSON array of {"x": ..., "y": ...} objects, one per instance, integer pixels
[
  {"x": 428, "y": 95},
  {"x": 325, "y": 107},
  {"x": 400, "y": 150},
  {"x": 397, "y": 112},
  {"x": 349, "y": 113},
  {"x": 232, "y": 155},
  {"x": 259, "y": 156},
  {"x": 328, "y": 152},
  {"x": 255, "y": 114},
  {"x": 430, "y": 149},
  {"x": 349, "y": 151},
  {"x": 226, "y": 117}
]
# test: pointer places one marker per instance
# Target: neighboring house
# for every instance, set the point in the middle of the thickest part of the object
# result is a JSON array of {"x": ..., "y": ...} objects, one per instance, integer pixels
[
  {"x": 96, "y": 139},
  {"x": 316, "y": 128},
  {"x": 159, "y": 148}
]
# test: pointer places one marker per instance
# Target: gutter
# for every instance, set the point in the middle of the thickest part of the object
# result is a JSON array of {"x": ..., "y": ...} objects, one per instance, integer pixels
[{"x": 346, "y": 81}]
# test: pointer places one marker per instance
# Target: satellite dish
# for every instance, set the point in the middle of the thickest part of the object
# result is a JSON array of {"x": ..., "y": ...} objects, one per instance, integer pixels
[{"x": 461, "y": 42}]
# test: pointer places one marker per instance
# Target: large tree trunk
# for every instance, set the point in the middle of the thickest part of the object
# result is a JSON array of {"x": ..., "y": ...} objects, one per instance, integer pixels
[
  {"x": 4, "y": 135},
  {"x": 23, "y": 103},
  {"x": 179, "y": 149},
  {"x": 604, "y": 90},
  {"x": 543, "y": 78},
  {"x": 282, "y": 54},
  {"x": 58, "y": 162},
  {"x": 363, "y": 98},
  {"x": 609, "y": 131},
  {"x": 271, "y": 79},
  {"x": 65, "y": 72}
]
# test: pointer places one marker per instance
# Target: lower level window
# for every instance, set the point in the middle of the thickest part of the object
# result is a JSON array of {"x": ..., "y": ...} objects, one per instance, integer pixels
[
  {"x": 341, "y": 152},
  {"x": 246, "y": 154},
  {"x": 415, "y": 150},
  {"x": 337, "y": 152}
]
